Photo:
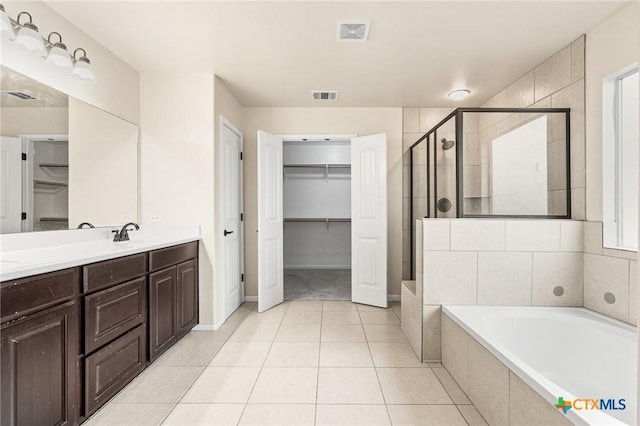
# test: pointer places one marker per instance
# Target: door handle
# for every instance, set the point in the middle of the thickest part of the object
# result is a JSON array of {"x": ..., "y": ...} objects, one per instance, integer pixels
[{"x": 227, "y": 232}]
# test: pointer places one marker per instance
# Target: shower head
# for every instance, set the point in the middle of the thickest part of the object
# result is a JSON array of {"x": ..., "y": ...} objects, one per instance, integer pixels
[{"x": 447, "y": 144}]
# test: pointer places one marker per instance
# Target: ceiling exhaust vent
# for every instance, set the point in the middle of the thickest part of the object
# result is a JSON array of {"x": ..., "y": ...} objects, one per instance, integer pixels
[
  {"x": 353, "y": 30},
  {"x": 324, "y": 95},
  {"x": 25, "y": 96}
]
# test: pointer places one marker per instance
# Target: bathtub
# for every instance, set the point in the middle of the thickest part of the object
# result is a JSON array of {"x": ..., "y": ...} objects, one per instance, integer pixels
[{"x": 570, "y": 352}]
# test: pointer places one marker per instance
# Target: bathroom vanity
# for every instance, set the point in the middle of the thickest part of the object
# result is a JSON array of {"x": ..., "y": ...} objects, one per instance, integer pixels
[{"x": 72, "y": 336}]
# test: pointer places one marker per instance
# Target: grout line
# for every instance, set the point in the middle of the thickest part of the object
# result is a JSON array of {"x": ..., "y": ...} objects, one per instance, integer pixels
[{"x": 315, "y": 408}]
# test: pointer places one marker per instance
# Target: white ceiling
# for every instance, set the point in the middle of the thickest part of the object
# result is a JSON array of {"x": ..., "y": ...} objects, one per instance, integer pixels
[{"x": 275, "y": 53}]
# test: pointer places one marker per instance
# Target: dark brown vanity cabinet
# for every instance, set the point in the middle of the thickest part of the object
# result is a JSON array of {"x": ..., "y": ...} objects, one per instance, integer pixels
[
  {"x": 40, "y": 338},
  {"x": 173, "y": 295}
]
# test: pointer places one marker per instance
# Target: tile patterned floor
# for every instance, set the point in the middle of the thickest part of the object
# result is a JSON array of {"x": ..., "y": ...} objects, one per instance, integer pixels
[{"x": 300, "y": 363}]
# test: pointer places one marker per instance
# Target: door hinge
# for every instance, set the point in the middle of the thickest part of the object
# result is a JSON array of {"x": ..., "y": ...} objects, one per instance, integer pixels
[
  {"x": 242, "y": 277},
  {"x": 24, "y": 156},
  {"x": 240, "y": 155},
  {"x": 241, "y": 217},
  {"x": 24, "y": 216}
]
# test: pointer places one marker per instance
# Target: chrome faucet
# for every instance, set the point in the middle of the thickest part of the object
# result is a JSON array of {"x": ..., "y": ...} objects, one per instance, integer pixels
[
  {"x": 123, "y": 234},
  {"x": 85, "y": 223}
]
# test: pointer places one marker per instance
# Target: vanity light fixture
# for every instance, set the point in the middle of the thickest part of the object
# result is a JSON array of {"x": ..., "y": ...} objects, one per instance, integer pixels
[
  {"x": 458, "y": 95},
  {"x": 6, "y": 27},
  {"x": 29, "y": 37},
  {"x": 82, "y": 67},
  {"x": 58, "y": 53},
  {"x": 55, "y": 51}
]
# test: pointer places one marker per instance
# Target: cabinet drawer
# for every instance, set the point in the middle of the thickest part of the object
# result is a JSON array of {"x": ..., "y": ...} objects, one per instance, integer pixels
[
  {"x": 27, "y": 295},
  {"x": 112, "y": 367},
  {"x": 104, "y": 274},
  {"x": 112, "y": 312},
  {"x": 162, "y": 258}
]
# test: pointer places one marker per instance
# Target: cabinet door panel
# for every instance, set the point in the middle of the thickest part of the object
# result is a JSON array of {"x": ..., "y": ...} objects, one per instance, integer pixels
[
  {"x": 112, "y": 367},
  {"x": 187, "y": 289},
  {"x": 111, "y": 313},
  {"x": 39, "y": 368},
  {"x": 162, "y": 311}
]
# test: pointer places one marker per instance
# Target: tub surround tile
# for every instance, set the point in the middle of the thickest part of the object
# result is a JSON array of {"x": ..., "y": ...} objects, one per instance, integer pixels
[
  {"x": 412, "y": 386},
  {"x": 477, "y": 235},
  {"x": 435, "y": 235},
  {"x": 572, "y": 236},
  {"x": 450, "y": 278},
  {"x": 633, "y": 293},
  {"x": 455, "y": 392},
  {"x": 426, "y": 415},
  {"x": 593, "y": 237},
  {"x": 528, "y": 408},
  {"x": 504, "y": 278},
  {"x": 533, "y": 235},
  {"x": 432, "y": 332},
  {"x": 551, "y": 270},
  {"x": 488, "y": 386},
  {"x": 455, "y": 351},
  {"x": 603, "y": 275}
]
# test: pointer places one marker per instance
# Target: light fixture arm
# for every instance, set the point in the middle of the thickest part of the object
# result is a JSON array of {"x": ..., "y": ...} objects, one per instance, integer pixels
[
  {"x": 54, "y": 33},
  {"x": 81, "y": 58},
  {"x": 23, "y": 13}
]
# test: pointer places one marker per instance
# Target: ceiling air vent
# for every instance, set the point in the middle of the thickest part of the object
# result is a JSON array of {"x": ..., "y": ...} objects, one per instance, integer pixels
[
  {"x": 353, "y": 30},
  {"x": 25, "y": 96},
  {"x": 324, "y": 95}
]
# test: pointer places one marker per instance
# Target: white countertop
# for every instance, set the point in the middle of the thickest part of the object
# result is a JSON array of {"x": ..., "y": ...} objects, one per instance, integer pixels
[{"x": 23, "y": 255}]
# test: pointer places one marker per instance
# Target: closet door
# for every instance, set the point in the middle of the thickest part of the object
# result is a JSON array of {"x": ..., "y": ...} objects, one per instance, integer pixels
[
  {"x": 270, "y": 248},
  {"x": 369, "y": 220}
]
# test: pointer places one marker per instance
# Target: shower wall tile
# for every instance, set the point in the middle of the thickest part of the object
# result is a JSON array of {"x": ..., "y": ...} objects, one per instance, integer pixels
[
  {"x": 558, "y": 269},
  {"x": 572, "y": 97},
  {"x": 572, "y": 236},
  {"x": 520, "y": 93},
  {"x": 450, "y": 278},
  {"x": 411, "y": 120},
  {"x": 429, "y": 117},
  {"x": 593, "y": 237},
  {"x": 477, "y": 235},
  {"x": 504, "y": 278},
  {"x": 436, "y": 234},
  {"x": 633, "y": 293},
  {"x": 533, "y": 235},
  {"x": 553, "y": 74},
  {"x": 578, "y": 204},
  {"x": 409, "y": 139},
  {"x": 577, "y": 58},
  {"x": 603, "y": 274},
  {"x": 432, "y": 333},
  {"x": 578, "y": 161},
  {"x": 623, "y": 254},
  {"x": 419, "y": 245}
]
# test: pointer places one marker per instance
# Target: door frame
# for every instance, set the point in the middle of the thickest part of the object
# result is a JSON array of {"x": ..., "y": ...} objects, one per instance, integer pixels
[{"x": 224, "y": 122}]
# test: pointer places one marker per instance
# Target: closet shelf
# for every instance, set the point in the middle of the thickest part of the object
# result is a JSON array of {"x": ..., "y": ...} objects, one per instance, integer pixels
[
  {"x": 49, "y": 183},
  {"x": 53, "y": 165},
  {"x": 320, "y": 220},
  {"x": 324, "y": 167},
  {"x": 54, "y": 219}
]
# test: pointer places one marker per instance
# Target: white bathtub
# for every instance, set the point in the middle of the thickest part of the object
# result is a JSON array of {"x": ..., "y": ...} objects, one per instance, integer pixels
[{"x": 570, "y": 352}]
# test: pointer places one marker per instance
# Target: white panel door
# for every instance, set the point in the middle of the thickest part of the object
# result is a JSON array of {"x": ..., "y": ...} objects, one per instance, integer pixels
[
  {"x": 10, "y": 185},
  {"x": 369, "y": 220},
  {"x": 270, "y": 248},
  {"x": 231, "y": 209}
]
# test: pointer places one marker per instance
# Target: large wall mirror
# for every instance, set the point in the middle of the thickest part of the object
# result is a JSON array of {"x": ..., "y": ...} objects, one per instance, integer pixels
[{"x": 62, "y": 161}]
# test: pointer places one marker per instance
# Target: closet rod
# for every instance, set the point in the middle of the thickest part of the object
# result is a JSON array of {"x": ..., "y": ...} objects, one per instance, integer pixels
[{"x": 321, "y": 220}]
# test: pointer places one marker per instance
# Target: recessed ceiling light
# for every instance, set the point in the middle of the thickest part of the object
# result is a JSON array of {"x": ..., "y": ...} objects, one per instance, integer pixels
[{"x": 458, "y": 95}]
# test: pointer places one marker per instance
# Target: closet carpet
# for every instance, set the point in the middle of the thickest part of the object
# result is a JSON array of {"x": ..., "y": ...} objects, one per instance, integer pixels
[{"x": 317, "y": 284}]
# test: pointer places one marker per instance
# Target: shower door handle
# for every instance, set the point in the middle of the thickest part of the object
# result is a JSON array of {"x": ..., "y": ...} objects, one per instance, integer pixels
[{"x": 227, "y": 232}]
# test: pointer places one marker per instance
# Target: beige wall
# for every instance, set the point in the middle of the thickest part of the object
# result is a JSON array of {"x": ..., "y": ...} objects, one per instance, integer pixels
[
  {"x": 612, "y": 45},
  {"x": 15, "y": 121},
  {"x": 362, "y": 121},
  {"x": 116, "y": 86},
  {"x": 177, "y": 171}
]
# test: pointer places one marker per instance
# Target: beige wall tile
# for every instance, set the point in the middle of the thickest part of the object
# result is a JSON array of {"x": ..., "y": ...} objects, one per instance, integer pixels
[
  {"x": 454, "y": 352},
  {"x": 558, "y": 269},
  {"x": 528, "y": 408},
  {"x": 603, "y": 274},
  {"x": 572, "y": 236},
  {"x": 633, "y": 293},
  {"x": 432, "y": 333},
  {"x": 577, "y": 58},
  {"x": 593, "y": 237},
  {"x": 477, "y": 235},
  {"x": 429, "y": 117},
  {"x": 622, "y": 254},
  {"x": 578, "y": 205},
  {"x": 520, "y": 93},
  {"x": 411, "y": 120},
  {"x": 488, "y": 384},
  {"x": 533, "y": 235},
  {"x": 450, "y": 278},
  {"x": 553, "y": 74},
  {"x": 435, "y": 234},
  {"x": 504, "y": 278}
]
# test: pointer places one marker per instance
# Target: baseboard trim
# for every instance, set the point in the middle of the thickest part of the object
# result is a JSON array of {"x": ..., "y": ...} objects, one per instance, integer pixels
[
  {"x": 393, "y": 298},
  {"x": 251, "y": 298}
]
